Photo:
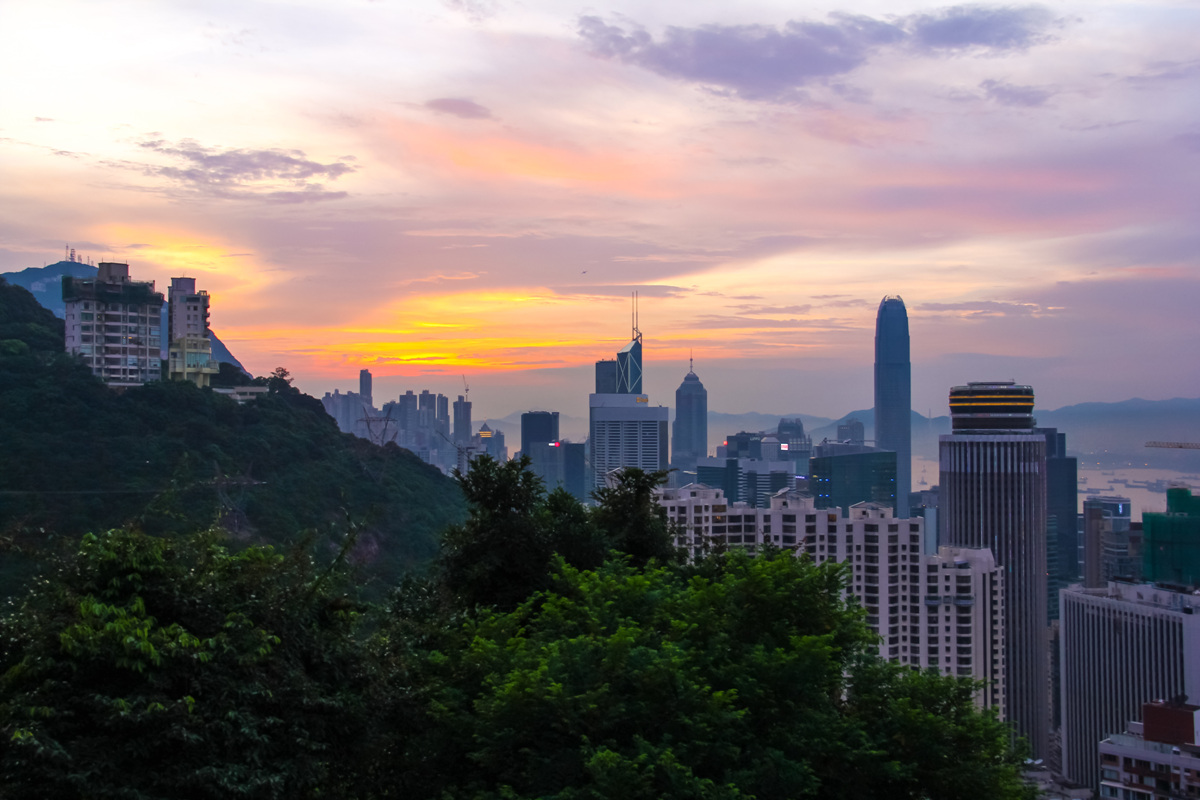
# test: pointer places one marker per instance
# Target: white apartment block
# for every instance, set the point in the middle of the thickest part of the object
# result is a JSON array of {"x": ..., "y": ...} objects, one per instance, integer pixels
[
  {"x": 114, "y": 325},
  {"x": 943, "y": 610},
  {"x": 1121, "y": 646}
]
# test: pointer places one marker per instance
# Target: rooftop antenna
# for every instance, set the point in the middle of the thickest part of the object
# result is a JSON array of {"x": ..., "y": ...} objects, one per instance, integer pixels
[
  {"x": 691, "y": 361},
  {"x": 637, "y": 334}
]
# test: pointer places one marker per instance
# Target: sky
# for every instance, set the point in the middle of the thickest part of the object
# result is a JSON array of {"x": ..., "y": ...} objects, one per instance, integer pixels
[{"x": 475, "y": 188}]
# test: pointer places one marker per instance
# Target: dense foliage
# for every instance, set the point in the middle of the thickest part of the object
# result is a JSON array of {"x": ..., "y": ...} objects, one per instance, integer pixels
[{"x": 169, "y": 457}]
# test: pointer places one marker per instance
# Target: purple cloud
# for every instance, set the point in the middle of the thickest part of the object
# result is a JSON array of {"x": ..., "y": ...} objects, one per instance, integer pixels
[
  {"x": 458, "y": 107},
  {"x": 247, "y": 173},
  {"x": 762, "y": 62},
  {"x": 970, "y": 27}
]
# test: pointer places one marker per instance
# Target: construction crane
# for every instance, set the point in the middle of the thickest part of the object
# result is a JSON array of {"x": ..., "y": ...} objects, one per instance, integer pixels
[
  {"x": 1175, "y": 445},
  {"x": 466, "y": 390}
]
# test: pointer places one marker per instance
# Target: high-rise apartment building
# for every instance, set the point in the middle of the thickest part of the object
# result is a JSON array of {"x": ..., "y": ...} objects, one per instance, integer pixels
[
  {"x": 993, "y": 495},
  {"x": 893, "y": 393},
  {"x": 1121, "y": 646},
  {"x": 189, "y": 347},
  {"x": 942, "y": 610},
  {"x": 689, "y": 433},
  {"x": 114, "y": 325}
]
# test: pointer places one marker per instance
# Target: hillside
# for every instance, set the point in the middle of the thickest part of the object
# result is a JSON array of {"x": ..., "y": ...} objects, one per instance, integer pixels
[{"x": 170, "y": 458}]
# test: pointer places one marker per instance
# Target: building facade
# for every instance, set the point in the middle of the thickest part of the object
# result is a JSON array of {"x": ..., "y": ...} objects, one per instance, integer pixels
[
  {"x": 942, "y": 610},
  {"x": 1121, "y": 646},
  {"x": 114, "y": 325},
  {"x": 893, "y": 393},
  {"x": 840, "y": 475},
  {"x": 189, "y": 349},
  {"x": 993, "y": 495},
  {"x": 538, "y": 427},
  {"x": 626, "y": 431},
  {"x": 1155, "y": 759},
  {"x": 1171, "y": 540}
]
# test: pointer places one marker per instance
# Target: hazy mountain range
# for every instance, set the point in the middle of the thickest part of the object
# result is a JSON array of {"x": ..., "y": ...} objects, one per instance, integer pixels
[{"x": 45, "y": 283}]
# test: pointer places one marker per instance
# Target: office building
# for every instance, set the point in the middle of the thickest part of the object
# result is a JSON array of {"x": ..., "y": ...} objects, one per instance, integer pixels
[
  {"x": 1155, "y": 759},
  {"x": 462, "y": 420},
  {"x": 626, "y": 431},
  {"x": 893, "y": 393},
  {"x": 1121, "y": 646},
  {"x": 1112, "y": 547},
  {"x": 189, "y": 347},
  {"x": 560, "y": 464},
  {"x": 606, "y": 376},
  {"x": 993, "y": 495},
  {"x": 1171, "y": 540},
  {"x": 851, "y": 431},
  {"x": 941, "y": 610},
  {"x": 689, "y": 434},
  {"x": 114, "y": 325},
  {"x": 794, "y": 444},
  {"x": 840, "y": 475},
  {"x": 538, "y": 427},
  {"x": 492, "y": 443},
  {"x": 1063, "y": 565},
  {"x": 747, "y": 480}
]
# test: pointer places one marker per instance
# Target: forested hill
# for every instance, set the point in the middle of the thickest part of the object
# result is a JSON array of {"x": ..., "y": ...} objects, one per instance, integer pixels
[{"x": 170, "y": 457}]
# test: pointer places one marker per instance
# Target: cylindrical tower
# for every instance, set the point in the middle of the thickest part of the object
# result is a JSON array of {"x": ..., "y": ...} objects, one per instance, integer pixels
[{"x": 993, "y": 494}]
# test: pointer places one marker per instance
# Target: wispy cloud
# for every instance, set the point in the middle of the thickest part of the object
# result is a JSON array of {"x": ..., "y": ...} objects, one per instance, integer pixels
[
  {"x": 274, "y": 176},
  {"x": 764, "y": 62},
  {"x": 459, "y": 107}
]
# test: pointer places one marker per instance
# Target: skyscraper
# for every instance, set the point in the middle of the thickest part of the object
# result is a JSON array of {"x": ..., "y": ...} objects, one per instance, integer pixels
[
  {"x": 690, "y": 431},
  {"x": 993, "y": 494},
  {"x": 624, "y": 430},
  {"x": 538, "y": 427},
  {"x": 462, "y": 420},
  {"x": 893, "y": 393},
  {"x": 364, "y": 387}
]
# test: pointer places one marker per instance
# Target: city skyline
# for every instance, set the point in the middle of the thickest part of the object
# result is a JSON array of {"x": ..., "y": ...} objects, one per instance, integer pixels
[{"x": 476, "y": 187}]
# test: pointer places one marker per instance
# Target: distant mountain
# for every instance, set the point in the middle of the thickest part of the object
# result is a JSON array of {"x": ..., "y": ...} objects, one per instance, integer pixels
[{"x": 45, "y": 283}]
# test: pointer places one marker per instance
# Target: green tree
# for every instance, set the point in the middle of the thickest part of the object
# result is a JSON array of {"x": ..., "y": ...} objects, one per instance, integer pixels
[
  {"x": 751, "y": 680},
  {"x": 148, "y": 667},
  {"x": 632, "y": 519}
]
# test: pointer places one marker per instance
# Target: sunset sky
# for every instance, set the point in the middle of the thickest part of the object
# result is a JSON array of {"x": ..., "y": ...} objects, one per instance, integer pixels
[{"x": 476, "y": 186}]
